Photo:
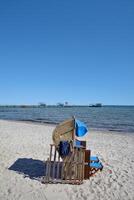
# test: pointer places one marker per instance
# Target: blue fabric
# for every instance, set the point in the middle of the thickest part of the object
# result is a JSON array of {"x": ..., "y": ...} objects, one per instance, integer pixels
[
  {"x": 81, "y": 128},
  {"x": 78, "y": 146},
  {"x": 94, "y": 159},
  {"x": 77, "y": 143},
  {"x": 64, "y": 148},
  {"x": 97, "y": 165}
]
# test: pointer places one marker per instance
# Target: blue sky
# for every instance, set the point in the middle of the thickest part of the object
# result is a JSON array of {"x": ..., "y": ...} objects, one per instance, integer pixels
[{"x": 76, "y": 51}]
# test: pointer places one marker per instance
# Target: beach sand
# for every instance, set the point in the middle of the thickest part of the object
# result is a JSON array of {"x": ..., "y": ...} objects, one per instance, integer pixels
[{"x": 24, "y": 146}]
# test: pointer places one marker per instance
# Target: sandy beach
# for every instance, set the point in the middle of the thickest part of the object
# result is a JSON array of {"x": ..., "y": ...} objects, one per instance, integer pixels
[{"x": 24, "y": 147}]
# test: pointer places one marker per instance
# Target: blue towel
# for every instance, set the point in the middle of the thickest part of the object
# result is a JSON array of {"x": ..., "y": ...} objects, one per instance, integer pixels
[
  {"x": 64, "y": 148},
  {"x": 94, "y": 159},
  {"x": 81, "y": 128},
  {"x": 97, "y": 165}
]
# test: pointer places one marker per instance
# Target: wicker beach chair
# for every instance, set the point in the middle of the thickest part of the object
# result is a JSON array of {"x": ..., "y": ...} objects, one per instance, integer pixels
[
  {"x": 74, "y": 163},
  {"x": 67, "y": 168}
]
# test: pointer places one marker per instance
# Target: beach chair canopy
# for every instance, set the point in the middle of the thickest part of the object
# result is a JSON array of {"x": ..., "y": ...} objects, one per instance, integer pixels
[
  {"x": 67, "y": 130},
  {"x": 64, "y": 131}
]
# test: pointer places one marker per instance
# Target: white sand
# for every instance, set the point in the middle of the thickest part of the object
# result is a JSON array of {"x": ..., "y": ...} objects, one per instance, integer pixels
[{"x": 27, "y": 140}]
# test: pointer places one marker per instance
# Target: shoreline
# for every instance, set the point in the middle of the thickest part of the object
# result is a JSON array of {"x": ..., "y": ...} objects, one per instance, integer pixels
[{"x": 53, "y": 124}]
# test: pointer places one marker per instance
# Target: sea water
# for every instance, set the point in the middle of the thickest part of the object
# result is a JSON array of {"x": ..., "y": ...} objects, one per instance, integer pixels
[{"x": 112, "y": 118}]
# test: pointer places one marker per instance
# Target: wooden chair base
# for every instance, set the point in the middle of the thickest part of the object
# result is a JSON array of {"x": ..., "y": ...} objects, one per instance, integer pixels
[{"x": 68, "y": 170}]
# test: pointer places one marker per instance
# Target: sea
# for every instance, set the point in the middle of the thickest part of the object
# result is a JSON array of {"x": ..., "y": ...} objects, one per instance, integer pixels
[{"x": 111, "y": 118}]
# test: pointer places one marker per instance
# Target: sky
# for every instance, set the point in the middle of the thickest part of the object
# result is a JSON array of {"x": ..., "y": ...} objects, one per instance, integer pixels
[{"x": 67, "y": 50}]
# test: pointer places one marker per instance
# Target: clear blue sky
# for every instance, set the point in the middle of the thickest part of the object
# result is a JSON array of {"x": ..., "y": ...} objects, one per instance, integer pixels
[{"x": 67, "y": 50}]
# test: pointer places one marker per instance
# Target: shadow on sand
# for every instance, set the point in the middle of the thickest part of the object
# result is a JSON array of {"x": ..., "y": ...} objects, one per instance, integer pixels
[{"x": 34, "y": 169}]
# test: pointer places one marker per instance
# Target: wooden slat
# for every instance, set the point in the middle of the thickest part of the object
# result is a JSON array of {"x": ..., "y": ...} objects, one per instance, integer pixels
[
  {"x": 78, "y": 164},
  {"x": 46, "y": 172},
  {"x": 75, "y": 156},
  {"x": 58, "y": 167},
  {"x": 50, "y": 164},
  {"x": 62, "y": 170},
  {"x": 54, "y": 163},
  {"x": 50, "y": 155},
  {"x": 81, "y": 167},
  {"x": 71, "y": 170},
  {"x": 83, "y": 163}
]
